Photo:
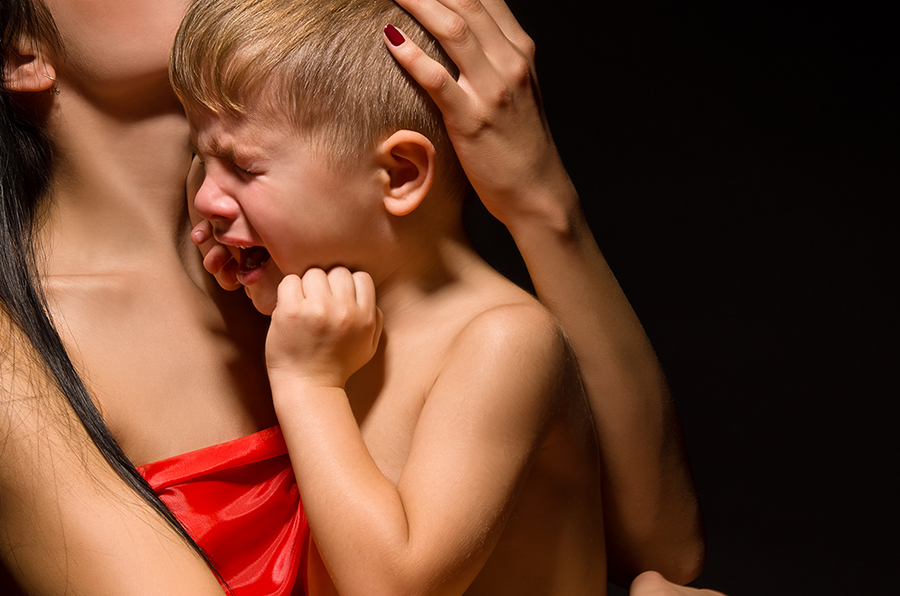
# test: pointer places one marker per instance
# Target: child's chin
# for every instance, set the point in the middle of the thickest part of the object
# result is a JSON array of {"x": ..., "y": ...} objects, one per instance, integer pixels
[{"x": 263, "y": 298}]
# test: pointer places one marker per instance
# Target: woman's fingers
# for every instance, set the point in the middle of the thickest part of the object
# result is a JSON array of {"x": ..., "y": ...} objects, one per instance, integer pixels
[
  {"x": 510, "y": 27},
  {"x": 431, "y": 75},
  {"x": 468, "y": 30},
  {"x": 453, "y": 31},
  {"x": 472, "y": 39},
  {"x": 495, "y": 61}
]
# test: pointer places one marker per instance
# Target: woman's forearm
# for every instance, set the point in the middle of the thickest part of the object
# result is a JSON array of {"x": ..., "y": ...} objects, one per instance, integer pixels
[{"x": 650, "y": 507}]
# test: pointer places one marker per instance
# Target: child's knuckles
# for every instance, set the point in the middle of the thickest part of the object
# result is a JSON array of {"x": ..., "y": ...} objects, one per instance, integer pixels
[
  {"x": 346, "y": 318},
  {"x": 316, "y": 316},
  {"x": 289, "y": 294}
]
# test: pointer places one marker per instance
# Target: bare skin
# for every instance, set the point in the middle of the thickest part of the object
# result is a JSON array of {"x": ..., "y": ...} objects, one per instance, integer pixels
[
  {"x": 650, "y": 506},
  {"x": 651, "y": 583},
  {"x": 471, "y": 401},
  {"x": 472, "y": 390},
  {"x": 158, "y": 345},
  {"x": 132, "y": 162}
]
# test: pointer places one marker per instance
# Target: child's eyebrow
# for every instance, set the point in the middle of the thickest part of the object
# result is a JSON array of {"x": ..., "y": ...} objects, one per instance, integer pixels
[
  {"x": 206, "y": 149},
  {"x": 215, "y": 149},
  {"x": 211, "y": 147}
]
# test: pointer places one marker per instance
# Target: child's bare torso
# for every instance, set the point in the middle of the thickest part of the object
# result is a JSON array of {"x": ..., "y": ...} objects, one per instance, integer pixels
[{"x": 552, "y": 542}]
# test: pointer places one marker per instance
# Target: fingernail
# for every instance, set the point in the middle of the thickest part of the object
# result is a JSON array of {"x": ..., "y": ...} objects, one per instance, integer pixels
[
  {"x": 198, "y": 237},
  {"x": 394, "y": 36}
]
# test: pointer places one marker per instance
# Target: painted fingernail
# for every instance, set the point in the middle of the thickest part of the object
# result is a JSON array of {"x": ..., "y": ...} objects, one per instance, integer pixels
[{"x": 394, "y": 36}]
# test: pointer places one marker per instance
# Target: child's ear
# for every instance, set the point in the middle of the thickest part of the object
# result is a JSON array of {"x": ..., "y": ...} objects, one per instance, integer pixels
[
  {"x": 27, "y": 70},
  {"x": 408, "y": 157}
]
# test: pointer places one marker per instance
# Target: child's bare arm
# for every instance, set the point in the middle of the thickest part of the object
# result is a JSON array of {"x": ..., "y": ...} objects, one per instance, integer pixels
[
  {"x": 497, "y": 126},
  {"x": 431, "y": 532}
]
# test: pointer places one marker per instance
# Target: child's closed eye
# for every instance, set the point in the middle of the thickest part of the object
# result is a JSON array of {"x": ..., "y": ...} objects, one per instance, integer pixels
[{"x": 243, "y": 171}]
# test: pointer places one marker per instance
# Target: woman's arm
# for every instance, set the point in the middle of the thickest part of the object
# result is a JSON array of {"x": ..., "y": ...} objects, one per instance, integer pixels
[
  {"x": 651, "y": 583},
  {"x": 68, "y": 524},
  {"x": 494, "y": 117}
]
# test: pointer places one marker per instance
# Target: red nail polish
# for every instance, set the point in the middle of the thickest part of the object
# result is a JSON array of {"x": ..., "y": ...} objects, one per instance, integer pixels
[{"x": 394, "y": 36}]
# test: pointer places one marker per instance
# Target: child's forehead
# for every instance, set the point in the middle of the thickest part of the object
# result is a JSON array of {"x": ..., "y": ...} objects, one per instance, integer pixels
[{"x": 221, "y": 132}]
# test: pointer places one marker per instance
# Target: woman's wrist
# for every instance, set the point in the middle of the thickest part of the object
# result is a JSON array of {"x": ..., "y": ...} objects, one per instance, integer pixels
[{"x": 552, "y": 209}]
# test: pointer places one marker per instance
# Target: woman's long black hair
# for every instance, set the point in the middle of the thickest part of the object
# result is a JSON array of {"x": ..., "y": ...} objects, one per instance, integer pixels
[{"x": 25, "y": 170}]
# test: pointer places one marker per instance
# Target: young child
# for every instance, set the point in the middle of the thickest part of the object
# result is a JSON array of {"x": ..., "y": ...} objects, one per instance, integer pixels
[{"x": 453, "y": 452}]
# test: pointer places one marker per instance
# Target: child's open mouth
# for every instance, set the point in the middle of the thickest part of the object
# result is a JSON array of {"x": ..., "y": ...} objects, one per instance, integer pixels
[{"x": 252, "y": 257}]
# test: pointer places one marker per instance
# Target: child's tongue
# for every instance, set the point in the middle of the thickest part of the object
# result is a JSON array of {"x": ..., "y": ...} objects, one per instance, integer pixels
[{"x": 253, "y": 257}]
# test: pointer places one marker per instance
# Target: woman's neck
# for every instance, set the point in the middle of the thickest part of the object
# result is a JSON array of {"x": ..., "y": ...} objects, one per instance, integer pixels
[{"x": 117, "y": 191}]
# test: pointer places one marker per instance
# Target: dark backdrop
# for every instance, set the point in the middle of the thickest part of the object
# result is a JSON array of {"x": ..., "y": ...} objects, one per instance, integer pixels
[{"x": 738, "y": 162}]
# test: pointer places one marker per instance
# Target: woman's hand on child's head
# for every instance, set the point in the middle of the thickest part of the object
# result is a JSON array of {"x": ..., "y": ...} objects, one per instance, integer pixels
[
  {"x": 493, "y": 113},
  {"x": 216, "y": 258},
  {"x": 325, "y": 327}
]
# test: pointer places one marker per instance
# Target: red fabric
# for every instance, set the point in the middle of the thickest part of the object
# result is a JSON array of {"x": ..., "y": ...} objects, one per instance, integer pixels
[{"x": 240, "y": 502}]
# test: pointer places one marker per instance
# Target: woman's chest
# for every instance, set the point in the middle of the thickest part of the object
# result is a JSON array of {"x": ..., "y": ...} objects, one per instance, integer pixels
[{"x": 169, "y": 371}]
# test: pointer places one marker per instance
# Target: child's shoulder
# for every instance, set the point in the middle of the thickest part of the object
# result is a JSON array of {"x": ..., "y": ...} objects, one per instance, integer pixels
[
  {"x": 523, "y": 322},
  {"x": 513, "y": 329}
]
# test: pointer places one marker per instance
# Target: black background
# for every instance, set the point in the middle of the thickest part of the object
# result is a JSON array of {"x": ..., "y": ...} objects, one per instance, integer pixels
[{"x": 738, "y": 162}]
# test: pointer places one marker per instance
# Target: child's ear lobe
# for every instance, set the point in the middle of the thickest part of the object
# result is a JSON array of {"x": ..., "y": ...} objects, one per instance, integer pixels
[
  {"x": 408, "y": 157},
  {"x": 27, "y": 70}
]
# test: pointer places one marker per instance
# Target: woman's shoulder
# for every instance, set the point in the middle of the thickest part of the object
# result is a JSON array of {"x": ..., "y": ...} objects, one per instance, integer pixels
[
  {"x": 67, "y": 521},
  {"x": 21, "y": 372}
]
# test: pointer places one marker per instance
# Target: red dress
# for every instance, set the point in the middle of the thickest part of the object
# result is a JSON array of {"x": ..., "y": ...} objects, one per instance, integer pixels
[{"x": 240, "y": 502}]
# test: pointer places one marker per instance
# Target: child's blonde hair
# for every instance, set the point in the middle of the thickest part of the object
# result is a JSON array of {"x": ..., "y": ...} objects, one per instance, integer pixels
[{"x": 322, "y": 64}]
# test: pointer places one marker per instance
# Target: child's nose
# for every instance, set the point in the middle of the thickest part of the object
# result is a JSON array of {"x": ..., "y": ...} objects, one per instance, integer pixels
[{"x": 213, "y": 203}]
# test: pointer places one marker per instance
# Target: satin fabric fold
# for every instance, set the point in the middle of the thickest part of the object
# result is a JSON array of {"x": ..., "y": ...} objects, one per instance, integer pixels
[{"x": 240, "y": 502}]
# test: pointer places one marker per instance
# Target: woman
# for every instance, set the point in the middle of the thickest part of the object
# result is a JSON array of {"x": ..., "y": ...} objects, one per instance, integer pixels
[{"x": 174, "y": 364}]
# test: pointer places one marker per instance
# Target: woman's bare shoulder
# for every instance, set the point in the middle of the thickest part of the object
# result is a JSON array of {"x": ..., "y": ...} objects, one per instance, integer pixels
[{"x": 67, "y": 522}]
